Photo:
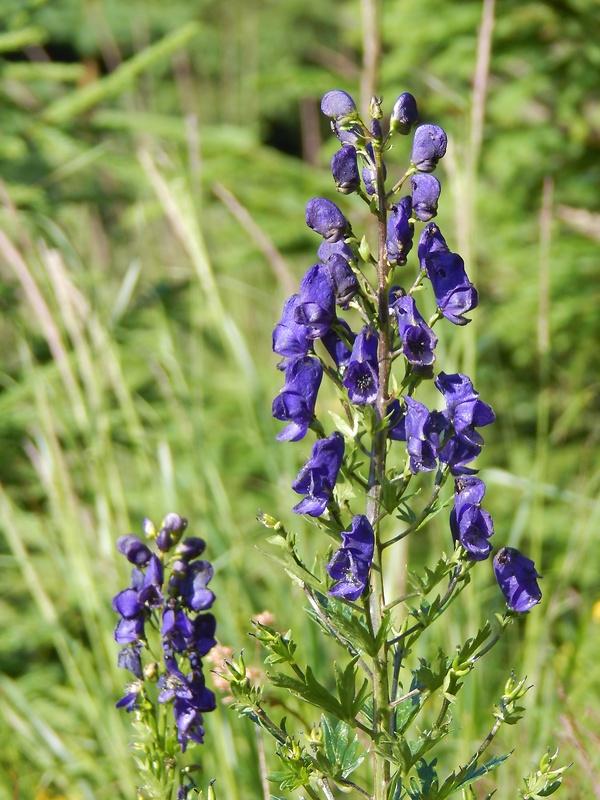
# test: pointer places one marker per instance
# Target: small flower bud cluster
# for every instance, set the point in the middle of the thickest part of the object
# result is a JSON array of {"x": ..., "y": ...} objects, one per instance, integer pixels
[
  {"x": 447, "y": 440},
  {"x": 167, "y": 597}
]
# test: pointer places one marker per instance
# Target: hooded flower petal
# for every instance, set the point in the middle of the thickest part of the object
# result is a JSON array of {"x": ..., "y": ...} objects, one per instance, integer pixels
[
  {"x": 290, "y": 338},
  {"x": 429, "y": 145},
  {"x": 454, "y": 293},
  {"x": 400, "y": 232},
  {"x": 425, "y": 195},
  {"x": 325, "y": 218},
  {"x": 344, "y": 168},
  {"x": 351, "y": 563},
  {"x": 336, "y": 104},
  {"x": 318, "y": 476},
  {"x": 361, "y": 376},
  {"x": 404, "y": 114},
  {"x": 469, "y": 523},
  {"x": 517, "y": 577},
  {"x": 296, "y": 401},
  {"x": 315, "y": 310}
]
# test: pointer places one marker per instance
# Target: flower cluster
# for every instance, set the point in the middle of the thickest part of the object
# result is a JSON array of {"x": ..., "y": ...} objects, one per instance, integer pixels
[
  {"x": 168, "y": 598},
  {"x": 447, "y": 440}
]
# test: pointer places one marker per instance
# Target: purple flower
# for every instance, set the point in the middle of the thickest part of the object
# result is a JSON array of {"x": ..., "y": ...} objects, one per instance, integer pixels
[
  {"x": 317, "y": 477},
  {"x": 325, "y": 218},
  {"x": 340, "y": 248},
  {"x": 203, "y": 634},
  {"x": 400, "y": 232},
  {"x": 422, "y": 436},
  {"x": 457, "y": 453},
  {"x": 351, "y": 563},
  {"x": 469, "y": 523},
  {"x": 190, "y": 548},
  {"x": 464, "y": 409},
  {"x": 337, "y": 346},
  {"x": 296, "y": 401},
  {"x": 361, "y": 377},
  {"x": 397, "y": 421},
  {"x": 134, "y": 550},
  {"x": 336, "y": 104},
  {"x": 454, "y": 293},
  {"x": 418, "y": 340},
  {"x": 342, "y": 280},
  {"x": 517, "y": 577},
  {"x": 129, "y": 658},
  {"x": 425, "y": 195},
  {"x": 129, "y": 701},
  {"x": 404, "y": 114},
  {"x": 290, "y": 337},
  {"x": 429, "y": 145},
  {"x": 315, "y": 310},
  {"x": 194, "y": 594},
  {"x": 344, "y": 168}
]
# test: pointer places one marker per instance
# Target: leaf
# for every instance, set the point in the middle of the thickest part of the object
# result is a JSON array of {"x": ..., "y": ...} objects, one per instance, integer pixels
[
  {"x": 309, "y": 690},
  {"x": 468, "y": 775},
  {"x": 340, "y": 750}
]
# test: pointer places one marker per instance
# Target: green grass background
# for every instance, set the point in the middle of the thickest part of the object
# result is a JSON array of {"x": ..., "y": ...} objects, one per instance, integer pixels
[{"x": 155, "y": 160}]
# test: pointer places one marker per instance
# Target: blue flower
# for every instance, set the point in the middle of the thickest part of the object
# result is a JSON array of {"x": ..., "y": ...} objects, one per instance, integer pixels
[
  {"x": 454, "y": 293},
  {"x": 469, "y": 523},
  {"x": 296, "y": 401},
  {"x": 429, "y": 145},
  {"x": 517, "y": 577},
  {"x": 422, "y": 436},
  {"x": 400, "y": 232},
  {"x": 325, "y": 218},
  {"x": 361, "y": 377},
  {"x": 418, "y": 340},
  {"x": 351, "y": 563},
  {"x": 404, "y": 114},
  {"x": 315, "y": 310},
  {"x": 318, "y": 476},
  {"x": 342, "y": 280},
  {"x": 336, "y": 104},
  {"x": 464, "y": 409},
  {"x": 290, "y": 338},
  {"x": 344, "y": 168},
  {"x": 337, "y": 346},
  {"x": 425, "y": 195}
]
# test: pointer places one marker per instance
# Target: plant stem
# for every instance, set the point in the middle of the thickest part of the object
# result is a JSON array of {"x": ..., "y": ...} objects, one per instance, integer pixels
[{"x": 376, "y": 607}]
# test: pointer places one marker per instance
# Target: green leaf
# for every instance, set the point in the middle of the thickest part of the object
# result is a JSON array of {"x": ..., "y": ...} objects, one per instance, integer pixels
[
  {"x": 309, "y": 690},
  {"x": 466, "y": 776},
  {"x": 340, "y": 756}
]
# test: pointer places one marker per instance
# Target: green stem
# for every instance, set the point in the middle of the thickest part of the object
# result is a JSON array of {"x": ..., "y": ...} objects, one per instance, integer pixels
[{"x": 376, "y": 603}]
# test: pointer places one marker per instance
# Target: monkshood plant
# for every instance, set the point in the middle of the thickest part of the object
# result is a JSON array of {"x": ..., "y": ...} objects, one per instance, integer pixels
[
  {"x": 355, "y": 322},
  {"x": 165, "y": 631}
]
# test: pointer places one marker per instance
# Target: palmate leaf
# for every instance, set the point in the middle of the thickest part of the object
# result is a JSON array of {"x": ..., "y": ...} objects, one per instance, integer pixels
[
  {"x": 350, "y": 626},
  {"x": 465, "y": 777},
  {"x": 340, "y": 756}
]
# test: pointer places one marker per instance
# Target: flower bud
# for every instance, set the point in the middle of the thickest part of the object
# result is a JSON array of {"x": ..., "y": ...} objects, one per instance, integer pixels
[
  {"x": 325, "y": 217},
  {"x": 173, "y": 522},
  {"x": 336, "y": 104},
  {"x": 344, "y": 168},
  {"x": 429, "y": 145},
  {"x": 164, "y": 541},
  {"x": 404, "y": 114},
  {"x": 134, "y": 550},
  {"x": 425, "y": 195}
]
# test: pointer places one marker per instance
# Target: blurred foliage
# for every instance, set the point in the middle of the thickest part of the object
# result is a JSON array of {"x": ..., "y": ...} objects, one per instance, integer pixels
[{"x": 137, "y": 308}]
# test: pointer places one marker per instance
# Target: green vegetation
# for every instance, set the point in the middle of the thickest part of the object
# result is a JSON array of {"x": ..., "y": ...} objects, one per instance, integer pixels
[{"x": 156, "y": 159}]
